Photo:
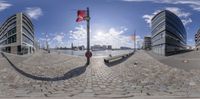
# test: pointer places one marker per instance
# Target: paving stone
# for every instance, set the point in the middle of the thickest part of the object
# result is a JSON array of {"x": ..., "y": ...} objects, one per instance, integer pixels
[{"x": 121, "y": 80}]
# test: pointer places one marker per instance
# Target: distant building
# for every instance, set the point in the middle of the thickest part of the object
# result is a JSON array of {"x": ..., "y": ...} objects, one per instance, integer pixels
[
  {"x": 96, "y": 47},
  {"x": 124, "y": 48},
  {"x": 109, "y": 47},
  {"x": 101, "y": 47},
  {"x": 147, "y": 43},
  {"x": 104, "y": 47},
  {"x": 72, "y": 46},
  {"x": 168, "y": 33},
  {"x": 81, "y": 47},
  {"x": 17, "y": 35},
  {"x": 197, "y": 40}
]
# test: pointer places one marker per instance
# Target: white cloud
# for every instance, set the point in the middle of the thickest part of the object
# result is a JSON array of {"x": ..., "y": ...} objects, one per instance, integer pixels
[
  {"x": 148, "y": 18},
  {"x": 181, "y": 14},
  {"x": 184, "y": 16},
  {"x": 54, "y": 40},
  {"x": 59, "y": 38},
  {"x": 34, "y": 12},
  {"x": 186, "y": 21},
  {"x": 178, "y": 12},
  {"x": 112, "y": 36},
  {"x": 194, "y": 4},
  {"x": 78, "y": 35},
  {"x": 4, "y": 5}
]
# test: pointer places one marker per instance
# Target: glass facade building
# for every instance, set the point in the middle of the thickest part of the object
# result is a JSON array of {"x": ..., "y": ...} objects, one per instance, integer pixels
[
  {"x": 147, "y": 43},
  {"x": 17, "y": 35},
  {"x": 197, "y": 39},
  {"x": 168, "y": 33}
]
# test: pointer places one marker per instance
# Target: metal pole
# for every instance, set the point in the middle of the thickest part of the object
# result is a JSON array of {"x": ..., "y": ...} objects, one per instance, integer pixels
[
  {"x": 46, "y": 41},
  {"x": 135, "y": 41},
  {"x": 88, "y": 35}
]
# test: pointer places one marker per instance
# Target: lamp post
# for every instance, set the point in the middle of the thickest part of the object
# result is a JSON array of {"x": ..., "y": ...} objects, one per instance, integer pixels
[
  {"x": 85, "y": 15},
  {"x": 47, "y": 45},
  {"x": 88, "y": 53}
]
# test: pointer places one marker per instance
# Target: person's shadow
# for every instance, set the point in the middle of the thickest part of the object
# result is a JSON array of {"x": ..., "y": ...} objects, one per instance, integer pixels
[{"x": 70, "y": 74}]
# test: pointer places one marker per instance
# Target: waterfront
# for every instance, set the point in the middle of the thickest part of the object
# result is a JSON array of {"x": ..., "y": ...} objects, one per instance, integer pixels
[
  {"x": 60, "y": 75},
  {"x": 103, "y": 53}
]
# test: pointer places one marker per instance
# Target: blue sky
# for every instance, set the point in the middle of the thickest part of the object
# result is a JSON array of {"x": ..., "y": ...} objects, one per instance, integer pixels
[{"x": 112, "y": 21}]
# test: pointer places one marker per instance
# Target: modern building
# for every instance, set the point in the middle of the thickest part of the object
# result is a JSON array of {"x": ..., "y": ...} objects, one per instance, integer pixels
[
  {"x": 72, "y": 46},
  {"x": 101, "y": 47},
  {"x": 197, "y": 40},
  {"x": 17, "y": 35},
  {"x": 96, "y": 47},
  {"x": 125, "y": 48},
  {"x": 82, "y": 47},
  {"x": 147, "y": 43},
  {"x": 168, "y": 35},
  {"x": 109, "y": 47},
  {"x": 104, "y": 47}
]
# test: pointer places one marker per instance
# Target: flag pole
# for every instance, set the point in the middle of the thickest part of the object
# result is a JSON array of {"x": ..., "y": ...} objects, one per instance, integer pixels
[
  {"x": 135, "y": 40},
  {"x": 88, "y": 35}
]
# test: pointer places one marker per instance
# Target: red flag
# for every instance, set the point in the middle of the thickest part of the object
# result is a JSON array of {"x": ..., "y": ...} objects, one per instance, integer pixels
[{"x": 81, "y": 14}]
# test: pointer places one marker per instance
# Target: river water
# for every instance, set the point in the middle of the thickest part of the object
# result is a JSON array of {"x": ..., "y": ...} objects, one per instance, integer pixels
[{"x": 103, "y": 53}]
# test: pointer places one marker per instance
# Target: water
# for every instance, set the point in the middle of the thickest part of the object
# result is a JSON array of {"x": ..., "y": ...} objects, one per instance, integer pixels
[{"x": 96, "y": 53}]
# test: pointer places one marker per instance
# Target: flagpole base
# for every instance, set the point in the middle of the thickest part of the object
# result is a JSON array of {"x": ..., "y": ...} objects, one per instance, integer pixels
[{"x": 88, "y": 61}]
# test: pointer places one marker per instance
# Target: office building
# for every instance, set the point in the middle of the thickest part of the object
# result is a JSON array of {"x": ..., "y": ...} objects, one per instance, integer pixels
[
  {"x": 109, "y": 47},
  {"x": 197, "y": 40},
  {"x": 17, "y": 35},
  {"x": 147, "y": 43},
  {"x": 168, "y": 33}
]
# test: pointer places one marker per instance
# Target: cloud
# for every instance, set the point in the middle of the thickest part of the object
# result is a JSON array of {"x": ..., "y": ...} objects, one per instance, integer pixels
[
  {"x": 112, "y": 36},
  {"x": 34, "y": 12},
  {"x": 4, "y": 5},
  {"x": 194, "y": 4},
  {"x": 148, "y": 18},
  {"x": 59, "y": 38},
  {"x": 181, "y": 14},
  {"x": 184, "y": 16},
  {"x": 178, "y": 12},
  {"x": 186, "y": 21},
  {"x": 78, "y": 35}
]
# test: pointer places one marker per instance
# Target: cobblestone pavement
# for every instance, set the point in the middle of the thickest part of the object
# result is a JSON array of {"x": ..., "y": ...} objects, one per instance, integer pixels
[
  {"x": 138, "y": 75},
  {"x": 187, "y": 60}
]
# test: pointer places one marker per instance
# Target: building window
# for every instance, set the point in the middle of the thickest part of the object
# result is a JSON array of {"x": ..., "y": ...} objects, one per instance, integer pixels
[
  {"x": 12, "y": 39},
  {"x": 27, "y": 40},
  {"x": 162, "y": 35},
  {"x": 12, "y": 31}
]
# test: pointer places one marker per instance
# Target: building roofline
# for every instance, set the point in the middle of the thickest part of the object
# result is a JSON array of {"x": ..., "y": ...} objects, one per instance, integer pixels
[
  {"x": 162, "y": 12},
  {"x": 157, "y": 14}
]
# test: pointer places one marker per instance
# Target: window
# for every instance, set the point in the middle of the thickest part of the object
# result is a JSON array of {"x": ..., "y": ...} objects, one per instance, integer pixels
[
  {"x": 12, "y": 31},
  {"x": 12, "y": 39},
  {"x": 27, "y": 40}
]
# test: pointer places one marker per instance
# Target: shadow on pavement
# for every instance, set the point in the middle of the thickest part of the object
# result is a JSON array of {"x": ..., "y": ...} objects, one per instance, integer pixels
[
  {"x": 179, "y": 52},
  {"x": 116, "y": 62},
  {"x": 187, "y": 60},
  {"x": 72, "y": 73}
]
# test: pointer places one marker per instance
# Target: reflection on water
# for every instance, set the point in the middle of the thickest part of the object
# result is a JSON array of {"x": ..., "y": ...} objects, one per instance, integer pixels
[{"x": 95, "y": 53}]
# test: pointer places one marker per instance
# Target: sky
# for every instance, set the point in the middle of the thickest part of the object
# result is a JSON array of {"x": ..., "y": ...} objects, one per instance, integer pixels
[{"x": 112, "y": 21}]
